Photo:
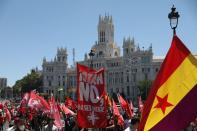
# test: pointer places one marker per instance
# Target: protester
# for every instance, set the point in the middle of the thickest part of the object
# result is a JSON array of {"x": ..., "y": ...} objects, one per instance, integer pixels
[
  {"x": 19, "y": 125},
  {"x": 50, "y": 125},
  {"x": 134, "y": 124}
]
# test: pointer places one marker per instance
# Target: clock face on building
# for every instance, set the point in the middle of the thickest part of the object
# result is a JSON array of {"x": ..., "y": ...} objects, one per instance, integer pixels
[
  {"x": 134, "y": 60},
  {"x": 131, "y": 61}
]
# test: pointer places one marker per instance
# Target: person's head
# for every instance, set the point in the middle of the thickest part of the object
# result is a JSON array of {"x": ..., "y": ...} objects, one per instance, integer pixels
[
  {"x": 135, "y": 122},
  {"x": 50, "y": 121},
  {"x": 20, "y": 123}
]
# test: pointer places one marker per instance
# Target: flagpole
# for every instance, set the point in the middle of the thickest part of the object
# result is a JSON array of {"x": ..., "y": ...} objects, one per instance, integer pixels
[
  {"x": 113, "y": 114},
  {"x": 119, "y": 102}
]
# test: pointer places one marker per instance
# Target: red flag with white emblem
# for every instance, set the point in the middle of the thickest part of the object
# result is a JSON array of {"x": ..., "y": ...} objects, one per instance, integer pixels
[
  {"x": 37, "y": 102},
  {"x": 54, "y": 112},
  {"x": 25, "y": 100},
  {"x": 71, "y": 103},
  {"x": 67, "y": 111},
  {"x": 92, "y": 109}
]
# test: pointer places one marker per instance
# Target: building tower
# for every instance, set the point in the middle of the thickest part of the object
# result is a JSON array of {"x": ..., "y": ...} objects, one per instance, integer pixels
[
  {"x": 105, "y": 47},
  {"x": 62, "y": 55},
  {"x": 128, "y": 46},
  {"x": 105, "y": 30},
  {"x": 74, "y": 63}
]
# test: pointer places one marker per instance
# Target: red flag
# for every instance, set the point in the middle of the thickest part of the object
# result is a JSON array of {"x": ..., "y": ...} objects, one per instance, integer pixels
[
  {"x": 171, "y": 104},
  {"x": 131, "y": 107},
  {"x": 66, "y": 110},
  {"x": 71, "y": 103},
  {"x": 117, "y": 114},
  {"x": 140, "y": 104},
  {"x": 92, "y": 109},
  {"x": 8, "y": 115},
  {"x": 55, "y": 113},
  {"x": 37, "y": 102},
  {"x": 108, "y": 101},
  {"x": 125, "y": 106},
  {"x": 59, "y": 106},
  {"x": 25, "y": 100}
]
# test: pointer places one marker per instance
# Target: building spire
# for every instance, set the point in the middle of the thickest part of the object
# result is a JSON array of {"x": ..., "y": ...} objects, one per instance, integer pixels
[{"x": 74, "y": 57}]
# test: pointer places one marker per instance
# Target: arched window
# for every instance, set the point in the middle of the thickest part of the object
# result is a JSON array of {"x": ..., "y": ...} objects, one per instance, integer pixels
[
  {"x": 102, "y": 36},
  {"x": 116, "y": 53},
  {"x": 127, "y": 50},
  {"x": 100, "y": 53}
]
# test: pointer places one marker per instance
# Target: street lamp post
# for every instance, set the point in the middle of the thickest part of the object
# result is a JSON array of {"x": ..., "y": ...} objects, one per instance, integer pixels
[
  {"x": 173, "y": 17},
  {"x": 60, "y": 89},
  {"x": 91, "y": 54}
]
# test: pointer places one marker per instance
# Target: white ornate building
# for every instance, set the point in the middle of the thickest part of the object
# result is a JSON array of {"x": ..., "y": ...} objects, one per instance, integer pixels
[
  {"x": 122, "y": 73},
  {"x": 54, "y": 72}
]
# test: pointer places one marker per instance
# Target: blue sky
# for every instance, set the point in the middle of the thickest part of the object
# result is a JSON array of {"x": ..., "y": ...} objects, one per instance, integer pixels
[{"x": 33, "y": 29}]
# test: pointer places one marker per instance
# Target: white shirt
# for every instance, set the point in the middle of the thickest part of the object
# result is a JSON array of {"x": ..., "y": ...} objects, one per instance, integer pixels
[{"x": 54, "y": 128}]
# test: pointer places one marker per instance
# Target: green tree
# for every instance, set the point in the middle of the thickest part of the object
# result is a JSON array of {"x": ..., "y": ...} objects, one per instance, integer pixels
[
  {"x": 27, "y": 83},
  {"x": 144, "y": 87}
]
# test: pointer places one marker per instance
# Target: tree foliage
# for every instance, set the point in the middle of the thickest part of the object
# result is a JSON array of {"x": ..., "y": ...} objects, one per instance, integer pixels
[
  {"x": 27, "y": 83},
  {"x": 144, "y": 87}
]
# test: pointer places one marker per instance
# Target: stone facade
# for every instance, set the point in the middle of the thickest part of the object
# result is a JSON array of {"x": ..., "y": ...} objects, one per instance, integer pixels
[
  {"x": 3, "y": 82},
  {"x": 122, "y": 73},
  {"x": 54, "y": 73}
]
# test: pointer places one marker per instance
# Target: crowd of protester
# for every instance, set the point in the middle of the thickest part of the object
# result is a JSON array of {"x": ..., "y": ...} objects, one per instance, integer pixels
[{"x": 21, "y": 117}]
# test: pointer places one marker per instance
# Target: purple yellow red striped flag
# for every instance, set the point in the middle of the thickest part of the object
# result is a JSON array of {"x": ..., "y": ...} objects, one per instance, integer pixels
[{"x": 171, "y": 104}]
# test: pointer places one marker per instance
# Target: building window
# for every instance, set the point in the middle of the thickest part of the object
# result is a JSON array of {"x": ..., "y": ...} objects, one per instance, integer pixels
[
  {"x": 116, "y": 54},
  {"x": 121, "y": 80},
  {"x": 156, "y": 70},
  {"x": 59, "y": 83},
  {"x": 102, "y": 36},
  {"x": 59, "y": 59},
  {"x": 111, "y": 91},
  {"x": 134, "y": 77},
  {"x": 100, "y": 53},
  {"x": 117, "y": 90},
  {"x": 146, "y": 76},
  {"x": 127, "y": 50},
  {"x": 145, "y": 59},
  {"x": 127, "y": 78},
  {"x": 128, "y": 91},
  {"x": 63, "y": 83},
  {"x": 49, "y": 83},
  {"x": 134, "y": 70}
]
